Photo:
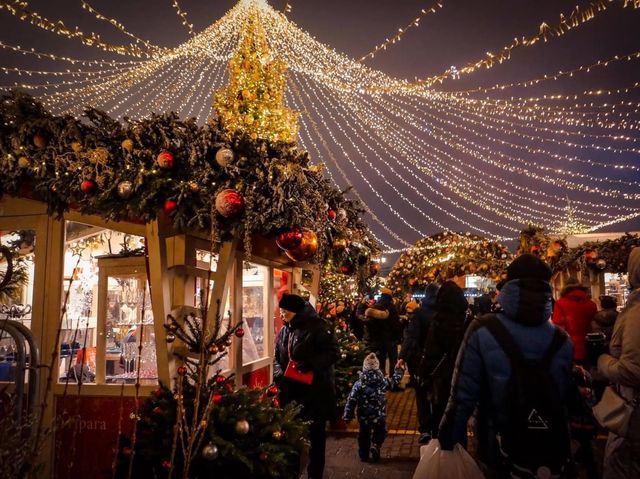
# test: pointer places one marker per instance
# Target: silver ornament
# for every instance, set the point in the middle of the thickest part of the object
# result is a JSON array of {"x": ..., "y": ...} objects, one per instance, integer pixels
[
  {"x": 242, "y": 427},
  {"x": 601, "y": 264},
  {"x": 224, "y": 156},
  {"x": 125, "y": 189},
  {"x": 210, "y": 452},
  {"x": 170, "y": 338}
]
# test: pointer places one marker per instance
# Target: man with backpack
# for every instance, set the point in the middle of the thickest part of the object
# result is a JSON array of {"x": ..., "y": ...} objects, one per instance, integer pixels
[{"x": 515, "y": 366}]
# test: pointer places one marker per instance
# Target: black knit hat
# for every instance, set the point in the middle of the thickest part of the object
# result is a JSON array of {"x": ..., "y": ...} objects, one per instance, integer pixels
[
  {"x": 292, "y": 302},
  {"x": 528, "y": 266}
]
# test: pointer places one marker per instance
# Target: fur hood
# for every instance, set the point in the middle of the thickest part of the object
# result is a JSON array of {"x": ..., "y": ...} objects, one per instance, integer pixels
[{"x": 376, "y": 313}]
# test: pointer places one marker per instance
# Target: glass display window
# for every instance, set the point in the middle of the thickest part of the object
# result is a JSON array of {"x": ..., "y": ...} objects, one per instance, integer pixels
[
  {"x": 255, "y": 304},
  {"x": 17, "y": 267},
  {"x": 108, "y": 308},
  {"x": 617, "y": 285}
]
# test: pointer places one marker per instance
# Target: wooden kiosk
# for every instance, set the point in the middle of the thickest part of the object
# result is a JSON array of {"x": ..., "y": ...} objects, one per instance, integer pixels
[{"x": 110, "y": 310}]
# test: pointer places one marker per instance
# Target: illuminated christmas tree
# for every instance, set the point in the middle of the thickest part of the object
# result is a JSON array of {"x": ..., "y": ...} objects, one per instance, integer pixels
[{"x": 253, "y": 101}]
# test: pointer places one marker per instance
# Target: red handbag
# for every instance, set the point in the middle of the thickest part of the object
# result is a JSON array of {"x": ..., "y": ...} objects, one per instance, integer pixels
[{"x": 292, "y": 372}]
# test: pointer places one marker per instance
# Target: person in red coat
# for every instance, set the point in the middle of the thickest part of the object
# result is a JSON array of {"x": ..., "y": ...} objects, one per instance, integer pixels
[{"x": 574, "y": 312}]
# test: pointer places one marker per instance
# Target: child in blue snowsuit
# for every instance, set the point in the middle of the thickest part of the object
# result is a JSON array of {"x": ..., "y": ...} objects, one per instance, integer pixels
[{"x": 368, "y": 395}]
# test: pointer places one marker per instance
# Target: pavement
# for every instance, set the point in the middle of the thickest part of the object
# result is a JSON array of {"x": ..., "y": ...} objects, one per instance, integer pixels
[{"x": 400, "y": 452}]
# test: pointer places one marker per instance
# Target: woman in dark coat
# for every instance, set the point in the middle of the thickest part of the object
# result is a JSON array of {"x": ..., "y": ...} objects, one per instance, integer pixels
[
  {"x": 309, "y": 341},
  {"x": 441, "y": 349}
]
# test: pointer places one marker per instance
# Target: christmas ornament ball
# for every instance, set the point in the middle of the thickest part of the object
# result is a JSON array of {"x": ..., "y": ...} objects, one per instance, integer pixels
[
  {"x": 88, "y": 186},
  {"x": 170, "y": 206},
  {"x": 39, "y": 140},
  {"x": 277, "y": 435},
  {"x": 76, "y": 146},
  {"x": 216, "y": 398},
  {"x": 165, "y": 160},
  {"x": 331, "y": 214},
  {"x": 127, "y": 145},
  {"x": 170, "y": 338},
  {"x": 126, "y": 451},
  {"x": 601, "y": 264},
  {"x": 182, "y": 370},
  {"x": 219, "y": 379},
  {"x": 24, "y": 162},
  {"x": 166, "y": 464},
  {"x": 125, "y": 189},
  {"x": 307, "y": 248},
  {"x": 224, "y": 156},
  {"x": 213, "y": 349},
  {"x": 210, "y": 452},
  {"x": 289, "y": 239},
  {"x": 242, "y": 427},
  {"x": 341, "y": 215},
  {"x": 239, "y": 332},
  {"x": 275, "y": 402},
  {"x": 273, "y": 390},
  {"x": 339, "y": 244},
  {"x": 229, "y": 203}
]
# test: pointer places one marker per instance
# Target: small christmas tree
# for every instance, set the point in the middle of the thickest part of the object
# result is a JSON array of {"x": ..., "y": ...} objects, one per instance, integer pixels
[
  {"x": 206, "y": 428},
  {"x": 352, "y": 353}
]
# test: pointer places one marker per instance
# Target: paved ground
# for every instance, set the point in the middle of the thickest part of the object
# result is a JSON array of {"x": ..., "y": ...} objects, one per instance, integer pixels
[{"x": 400, "y": 452}]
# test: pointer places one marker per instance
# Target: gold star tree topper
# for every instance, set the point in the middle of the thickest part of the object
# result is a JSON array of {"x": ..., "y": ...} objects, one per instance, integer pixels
[{"x": 253, "y": 101}]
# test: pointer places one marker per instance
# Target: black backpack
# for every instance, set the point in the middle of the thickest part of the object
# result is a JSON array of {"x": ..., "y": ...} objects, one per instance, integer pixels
[{"x": 535, "y": 436}]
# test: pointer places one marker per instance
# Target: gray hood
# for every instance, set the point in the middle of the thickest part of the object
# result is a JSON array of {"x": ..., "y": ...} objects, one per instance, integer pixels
[{"x": 634, "y": 268}]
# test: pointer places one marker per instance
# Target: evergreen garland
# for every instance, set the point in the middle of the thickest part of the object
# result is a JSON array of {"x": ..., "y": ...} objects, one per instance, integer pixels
[
  {"x": 610, "y": 256},
  {"x": 102, "y": 167}
]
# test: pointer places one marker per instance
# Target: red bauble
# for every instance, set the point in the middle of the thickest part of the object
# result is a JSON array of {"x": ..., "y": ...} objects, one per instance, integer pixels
[
  {"x": 158, "y": 393},
  {"x": 346, "y": 269},
  {"x": 170, "y": 206},
  {"x": 157, "y": 410},
  {"x": 39, "y": 140},
  {"x": 273, "y": 390},
  {"x": 239, "y": 332},
  {"x": 182, "y": 370},
  {"x": 374, "y": 268},
  {"x": 275, "y": 402},
  {"x": 220, "y": 379},
  {"x": 165, "y": 160},
  {"x": 290, "y": 239},
  {"x": 535, "y": 249},
  {"x": 229, "y": 203},
  {"x": 88, "y": 186},
  {"x": 126, "y": 451},
  {"x": 166, "y": 464},
  {"x": 216, "y": 398},
  {"x": 307, "y": 248},
  {"x": 331, "y": 214}
]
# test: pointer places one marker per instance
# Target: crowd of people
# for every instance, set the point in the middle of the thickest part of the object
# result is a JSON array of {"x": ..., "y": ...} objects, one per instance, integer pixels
[{"x": 524, "y": 371}]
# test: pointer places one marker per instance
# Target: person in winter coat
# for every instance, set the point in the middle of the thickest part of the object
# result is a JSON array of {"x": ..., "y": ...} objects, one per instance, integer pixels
[
  {"x": 440, "y": 350},
  {"x": 622, "y": 368},
  {"x": 605, "y": 319},
  {"x": 368, "y": 398},
  {"x": 483, "y": 368},
  {"x": 382, "y": 325},
  {"x": 309, "y": 341},
  {"x": 411, "y": 351},
  {"x": 574, "y": 312}
]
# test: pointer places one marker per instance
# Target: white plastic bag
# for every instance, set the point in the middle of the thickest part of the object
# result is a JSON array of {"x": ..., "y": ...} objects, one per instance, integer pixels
[{"x": 438, "y": 464}]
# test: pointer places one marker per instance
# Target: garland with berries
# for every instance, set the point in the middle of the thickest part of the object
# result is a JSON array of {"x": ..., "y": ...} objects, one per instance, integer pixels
[
  {"x": 445, "y": 255},
  {"x": 199, "y": 177},
  {"x": 609, "y": 256}
]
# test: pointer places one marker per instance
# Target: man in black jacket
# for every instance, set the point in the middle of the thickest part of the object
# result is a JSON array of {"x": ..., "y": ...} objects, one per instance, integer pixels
[{"x": 309, "y": 341}]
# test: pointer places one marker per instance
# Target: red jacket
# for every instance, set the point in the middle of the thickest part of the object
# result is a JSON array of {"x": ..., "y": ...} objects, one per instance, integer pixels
[{"x": 574, "y": 312}]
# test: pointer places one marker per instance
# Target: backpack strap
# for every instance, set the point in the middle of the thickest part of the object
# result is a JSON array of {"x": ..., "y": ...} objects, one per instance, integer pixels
[
  {"x": 504, "y": 338},
  {"x": 511, "y": 348}
]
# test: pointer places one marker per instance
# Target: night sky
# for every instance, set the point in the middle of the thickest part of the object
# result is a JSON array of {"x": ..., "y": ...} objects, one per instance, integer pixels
[{"x": 460, "y": 32}]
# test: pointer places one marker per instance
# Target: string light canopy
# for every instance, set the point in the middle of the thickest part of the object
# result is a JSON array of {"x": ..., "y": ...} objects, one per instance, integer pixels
[{"x": 420, "y": 158}]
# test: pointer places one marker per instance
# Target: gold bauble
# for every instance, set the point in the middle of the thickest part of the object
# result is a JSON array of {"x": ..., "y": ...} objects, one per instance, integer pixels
[
  {"x": 127, "y": 145},
  {"x": 76, "y": 146},
  {"x": 307, "y": 248}
]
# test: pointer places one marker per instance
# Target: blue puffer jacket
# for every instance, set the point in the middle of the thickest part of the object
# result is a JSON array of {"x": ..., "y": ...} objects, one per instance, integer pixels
[
  {"x": 368, "y": 394},
  {"x": 482, "y": 367}
]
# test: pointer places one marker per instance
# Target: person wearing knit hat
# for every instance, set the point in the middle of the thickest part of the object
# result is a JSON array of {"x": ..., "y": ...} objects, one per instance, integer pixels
[
  {"x": 489, "y": 356},
  {"x": 367, "y": 398},
  {"x": 307, "y": 342}
]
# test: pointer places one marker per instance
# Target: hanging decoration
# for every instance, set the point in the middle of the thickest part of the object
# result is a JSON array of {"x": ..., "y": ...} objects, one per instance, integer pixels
[
  {"x": 609, "y": 256},
  {"x": 447, "y": 255},
  {"x": 535, "y": 240}
]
